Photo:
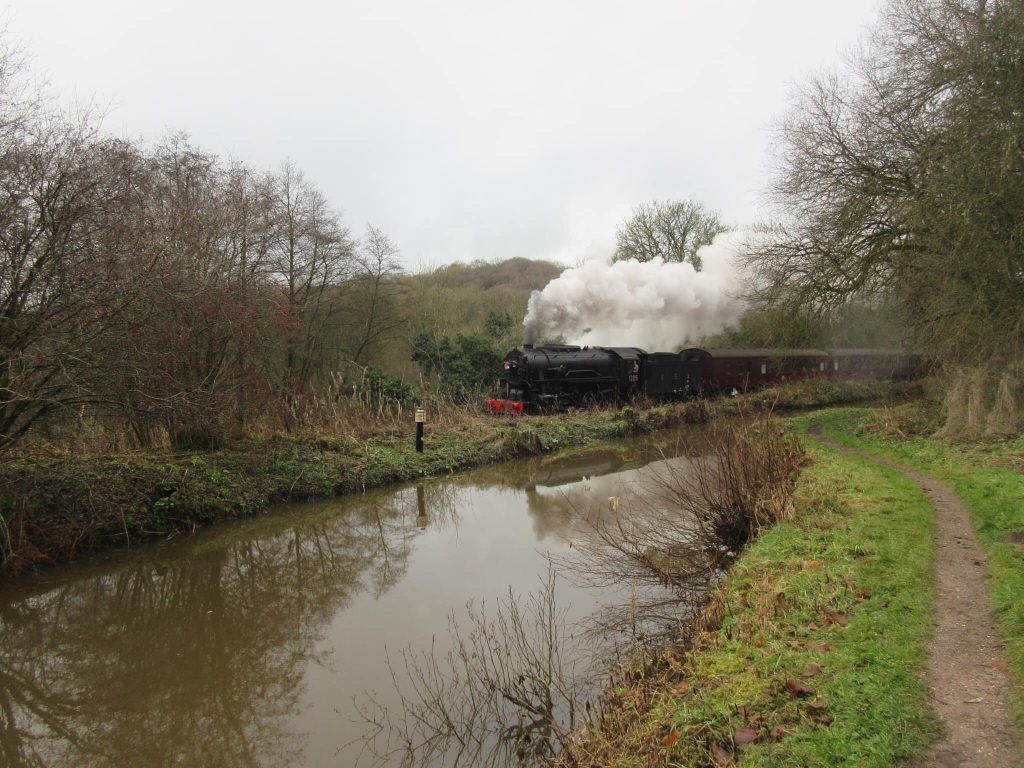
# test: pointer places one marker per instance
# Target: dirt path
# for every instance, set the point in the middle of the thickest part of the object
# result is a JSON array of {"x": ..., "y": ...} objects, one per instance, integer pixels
[{"x": 971, "y": 692}]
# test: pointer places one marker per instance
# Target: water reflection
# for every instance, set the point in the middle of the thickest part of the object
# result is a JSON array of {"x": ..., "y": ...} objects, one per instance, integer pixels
[
  {"x": 239, "y": 646},
  {"x": 198, "y": 657}
]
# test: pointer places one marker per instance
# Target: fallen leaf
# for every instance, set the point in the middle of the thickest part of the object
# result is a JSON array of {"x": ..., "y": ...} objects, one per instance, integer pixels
[
  {"x": 671, "y": 738},
  {"x": 682, "y": 688},
  {"x": 721, "y": 756},
  {"x": 819, "y": 648},
  {"x": 823, "y": 719},
  {"x": 777, "y": 732},
  {"x": 812, "y": 565},
  {"x": 810, "y": 670},
  {"x": 812, "y": 627},
  {"x": 744, "y": 736},
  {"x": 864, "y": 593},
  {"x": 797, "y": 688},
  {"x": 818, "y": 705}
]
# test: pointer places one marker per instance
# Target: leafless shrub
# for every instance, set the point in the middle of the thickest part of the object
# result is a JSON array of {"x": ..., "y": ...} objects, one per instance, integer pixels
[
  {"x": 741, "y": 483},
  {"x": 983, "y": 400},
  {"x": 681, "y": 533}
]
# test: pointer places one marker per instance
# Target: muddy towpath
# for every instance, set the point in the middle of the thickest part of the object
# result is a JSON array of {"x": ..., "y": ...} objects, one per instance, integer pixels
[{"x": 966, "y": 665}]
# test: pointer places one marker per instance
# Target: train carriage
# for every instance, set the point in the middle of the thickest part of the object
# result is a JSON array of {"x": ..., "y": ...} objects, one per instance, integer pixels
[
  {"x": 743, "y": 369},
  {"x": 874, "y": 364}
]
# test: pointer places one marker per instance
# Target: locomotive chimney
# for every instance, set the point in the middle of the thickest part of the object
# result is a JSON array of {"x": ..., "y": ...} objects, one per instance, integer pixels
[{"x": 527, "y": 346}]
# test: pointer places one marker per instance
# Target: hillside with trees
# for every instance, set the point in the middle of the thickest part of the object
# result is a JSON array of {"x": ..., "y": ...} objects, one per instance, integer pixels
[{"x": 468, "y": 315}]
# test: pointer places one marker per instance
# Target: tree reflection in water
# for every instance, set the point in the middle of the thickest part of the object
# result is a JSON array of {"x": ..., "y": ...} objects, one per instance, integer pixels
[{"x": 195, "y": 657}]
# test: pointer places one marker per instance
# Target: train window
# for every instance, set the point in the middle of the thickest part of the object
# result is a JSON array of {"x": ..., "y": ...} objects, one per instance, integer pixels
[
  {"x": 835, "y": 365},
  {"x": 821, "y": 366},
  {"x": 764, "y": 368}
]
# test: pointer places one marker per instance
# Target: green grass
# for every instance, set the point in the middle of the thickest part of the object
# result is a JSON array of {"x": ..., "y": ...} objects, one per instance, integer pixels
[
  {"x": 859, "y": 550},
  {"x": 987, "y": 477}
]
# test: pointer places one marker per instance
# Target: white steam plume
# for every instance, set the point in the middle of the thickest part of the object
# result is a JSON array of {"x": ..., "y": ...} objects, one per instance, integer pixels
[{"x": 660, "y": 306}]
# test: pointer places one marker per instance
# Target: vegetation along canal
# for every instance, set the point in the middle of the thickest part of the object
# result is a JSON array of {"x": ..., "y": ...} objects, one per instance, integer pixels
[{"x": 260, "y": 639}]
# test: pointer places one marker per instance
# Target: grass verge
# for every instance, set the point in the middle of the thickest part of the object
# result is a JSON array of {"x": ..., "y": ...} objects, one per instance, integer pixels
[
  {"x": 988, "y": 478},
  {"x": 809, "y": 653}
]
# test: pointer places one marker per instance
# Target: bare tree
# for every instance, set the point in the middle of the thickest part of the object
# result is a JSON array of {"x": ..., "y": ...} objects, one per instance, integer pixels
[
  {"x": 65, "y": 278},
  {"x": 374, "y": 294},
  {"x": 672, "y": 230},
  {"x": 203, "y": 335},
  {"x": 313, "y": 254},
  {"x": 900, "y": 180}
]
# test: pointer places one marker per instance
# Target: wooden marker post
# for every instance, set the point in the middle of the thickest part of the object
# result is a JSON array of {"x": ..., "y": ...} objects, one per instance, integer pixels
[{"x": 421, "y": 418}]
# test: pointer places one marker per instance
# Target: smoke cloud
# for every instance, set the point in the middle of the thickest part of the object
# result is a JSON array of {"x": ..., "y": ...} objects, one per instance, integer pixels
[{"x": 657, "y": 305}]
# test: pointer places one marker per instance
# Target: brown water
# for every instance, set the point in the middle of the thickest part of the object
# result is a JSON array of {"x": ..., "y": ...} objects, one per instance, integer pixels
[{"x": 245, "y": 644}]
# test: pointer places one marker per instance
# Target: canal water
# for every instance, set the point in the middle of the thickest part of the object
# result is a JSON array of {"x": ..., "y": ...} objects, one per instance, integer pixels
[{"x": 250, "y": 644}]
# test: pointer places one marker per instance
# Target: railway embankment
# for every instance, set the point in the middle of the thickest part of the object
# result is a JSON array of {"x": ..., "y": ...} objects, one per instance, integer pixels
[
  {"x": 815, "y": 648},
  {"x": 56, "y": 507}
]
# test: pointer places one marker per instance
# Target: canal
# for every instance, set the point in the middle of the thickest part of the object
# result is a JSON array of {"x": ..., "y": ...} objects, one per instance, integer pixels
[{"x": 252, "y": 643}]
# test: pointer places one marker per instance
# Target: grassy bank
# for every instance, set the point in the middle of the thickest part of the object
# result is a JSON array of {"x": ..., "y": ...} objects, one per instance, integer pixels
[
  {"x": 987, "y": 476},
  {"x": 808, "y": 654},
  {"x": 55, "y": 507}
]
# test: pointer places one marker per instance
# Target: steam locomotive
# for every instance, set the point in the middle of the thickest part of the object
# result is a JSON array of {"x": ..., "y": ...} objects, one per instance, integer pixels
[{"x": 548, "y": 377}]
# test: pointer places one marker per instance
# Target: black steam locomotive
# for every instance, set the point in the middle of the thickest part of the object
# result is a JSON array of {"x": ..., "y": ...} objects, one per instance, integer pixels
[
  {"x": 552, "y": 376},
  {"x": 538, "y": 378}
]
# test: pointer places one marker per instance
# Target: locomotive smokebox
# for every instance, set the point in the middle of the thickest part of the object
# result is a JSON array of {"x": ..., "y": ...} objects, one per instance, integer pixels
[{"x": 527, "y": 346}]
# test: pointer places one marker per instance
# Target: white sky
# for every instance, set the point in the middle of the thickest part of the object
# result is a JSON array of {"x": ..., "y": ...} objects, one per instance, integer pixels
[{"x": 463, "y": 128}]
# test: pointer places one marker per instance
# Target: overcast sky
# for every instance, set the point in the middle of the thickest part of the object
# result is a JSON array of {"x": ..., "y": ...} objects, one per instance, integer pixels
[{"x": 464, "y": 129}]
